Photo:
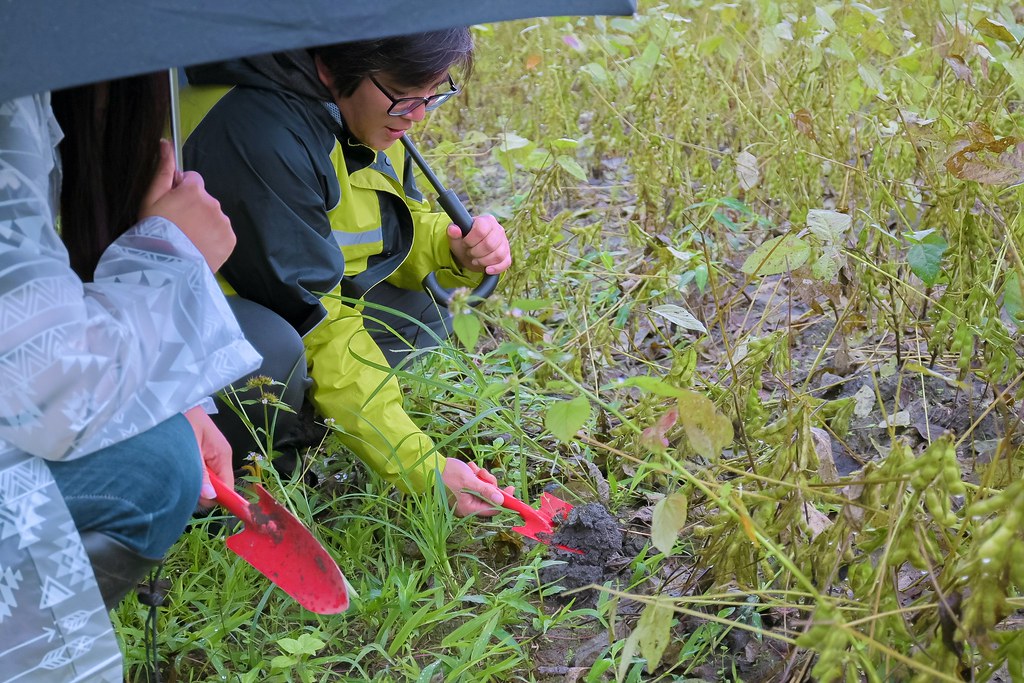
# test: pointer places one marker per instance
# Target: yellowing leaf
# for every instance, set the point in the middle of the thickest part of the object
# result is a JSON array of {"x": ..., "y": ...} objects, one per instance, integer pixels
[
  {"x": 669, "y": 518},
  {"x": 565, "y": 418},
  {"x": 745, "y": 521},
  {"x": 655, "y": 631},
  {"x": 777, "y": 255},
  {"x": 995, "y": 29},
  {"x": 708, "y": 430}
]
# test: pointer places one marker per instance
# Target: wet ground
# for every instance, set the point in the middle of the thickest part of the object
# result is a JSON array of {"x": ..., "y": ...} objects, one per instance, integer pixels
[{"x": 593, "y": 530}]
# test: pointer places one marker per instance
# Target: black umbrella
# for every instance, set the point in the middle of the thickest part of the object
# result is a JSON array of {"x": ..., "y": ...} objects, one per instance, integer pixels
[{"x": 55, "y": 44}]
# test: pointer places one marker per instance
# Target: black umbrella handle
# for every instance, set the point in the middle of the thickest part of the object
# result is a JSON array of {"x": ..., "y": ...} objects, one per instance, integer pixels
[{"x": 460, "y": 216}]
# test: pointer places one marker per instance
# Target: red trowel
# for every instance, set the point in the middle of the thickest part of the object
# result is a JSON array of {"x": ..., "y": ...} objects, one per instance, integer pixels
[
  {"x": 539, "y": 524},
  {"x": 281, "y": 548}
]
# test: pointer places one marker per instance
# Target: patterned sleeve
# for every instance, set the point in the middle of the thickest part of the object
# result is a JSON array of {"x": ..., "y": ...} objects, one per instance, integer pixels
[{"x": 83, "y": 366}]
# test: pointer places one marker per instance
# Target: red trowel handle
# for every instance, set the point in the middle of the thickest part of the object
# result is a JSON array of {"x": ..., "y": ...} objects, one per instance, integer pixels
[
  {"x": 529, "y": 515},
  {"x": 230, "y": 498}
]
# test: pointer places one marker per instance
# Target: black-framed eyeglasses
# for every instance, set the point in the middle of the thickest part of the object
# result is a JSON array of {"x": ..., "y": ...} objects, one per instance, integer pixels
[{"x": 403, "y": 106}]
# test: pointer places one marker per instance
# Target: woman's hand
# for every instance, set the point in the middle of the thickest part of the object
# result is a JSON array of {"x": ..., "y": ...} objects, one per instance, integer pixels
[
  {"x": 182, "y": 199},
  {"x": 215, "y": 452},
  {"x": 484, "y": 249},
  {"x": 460, "y": 478}
]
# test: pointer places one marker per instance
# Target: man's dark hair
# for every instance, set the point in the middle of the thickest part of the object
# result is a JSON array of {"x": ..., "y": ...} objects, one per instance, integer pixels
[
  {"x": 412, "y": 61},
  {"x": 110, "y": 154}
]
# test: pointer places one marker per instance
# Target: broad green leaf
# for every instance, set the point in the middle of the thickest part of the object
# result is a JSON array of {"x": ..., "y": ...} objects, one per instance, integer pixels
[
  {"x": 828, "y": 226},
  {"x": 1015, "y": 67},
  {"x": 467, "y": 329},
  {"x": 564, "y": 144},
  {"x": 509, "y": 142},
  {"x": 669, "y": 518},
  {"x": 680, "y": 316},
  {"x": 572, "y": 167},
  {"x": 777, "y": 255},
  {"x": 708, "y": 430},
  {"x": 871, "y": 77},
  {"x": 282, "y": 662},
  {"x": 826, "y": 267},
  {"x": 925, "y": 258},
  {"x": 655, "y": 632},
  {"x": 596, "y": 72},
  {"x": 565, "y": 418},
  {"x": 1013, "y": 298},
  {"x": 825, "y": 20},
  {"x": 644, "y": 67}
]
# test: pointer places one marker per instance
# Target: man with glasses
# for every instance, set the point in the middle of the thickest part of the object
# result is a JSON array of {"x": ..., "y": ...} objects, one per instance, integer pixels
[{"x": 301, "y": 154}]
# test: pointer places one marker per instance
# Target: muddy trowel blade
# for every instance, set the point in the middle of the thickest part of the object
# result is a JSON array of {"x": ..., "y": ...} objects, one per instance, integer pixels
[
  {"x": 540, "y": 524},
  {"x": 281, "y": 548}
]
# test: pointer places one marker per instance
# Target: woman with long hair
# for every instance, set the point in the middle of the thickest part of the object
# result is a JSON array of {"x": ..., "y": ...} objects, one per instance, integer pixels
[{"x": 110, "y": 342}]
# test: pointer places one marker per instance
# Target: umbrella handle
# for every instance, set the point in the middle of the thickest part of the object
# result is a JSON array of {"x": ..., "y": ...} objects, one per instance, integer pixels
[
  {"x": 456, "y": 210},
  {"x": 230, "y": 499}
]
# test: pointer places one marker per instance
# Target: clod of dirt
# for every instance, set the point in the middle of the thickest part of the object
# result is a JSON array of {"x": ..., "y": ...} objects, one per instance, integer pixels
[{"x": 591, "y": 529}]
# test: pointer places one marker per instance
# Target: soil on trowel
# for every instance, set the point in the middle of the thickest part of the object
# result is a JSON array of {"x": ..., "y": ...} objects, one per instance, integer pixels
[{"x": 591, "y": 529}]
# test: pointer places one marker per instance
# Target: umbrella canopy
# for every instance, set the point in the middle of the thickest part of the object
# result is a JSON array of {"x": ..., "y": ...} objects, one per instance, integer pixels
[{"x": 62, "y": 43}]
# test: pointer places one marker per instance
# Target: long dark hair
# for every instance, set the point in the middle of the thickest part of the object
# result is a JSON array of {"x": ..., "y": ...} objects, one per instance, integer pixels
[
  {"x": 412, "y": 61},
  {"x": 110, "y": 154}
]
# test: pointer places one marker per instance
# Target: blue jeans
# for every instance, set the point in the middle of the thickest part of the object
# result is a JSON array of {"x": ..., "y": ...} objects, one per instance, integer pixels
[{"x": 140, "y": 492}]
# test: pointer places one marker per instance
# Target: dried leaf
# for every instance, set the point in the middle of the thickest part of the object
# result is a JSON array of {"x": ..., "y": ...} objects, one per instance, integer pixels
[
  {"x": 822, "y": 442},
  {"x": 804, "y": 123},
  {"x": 747, "y": 170},
  {"x": 817, "y": 521},
  {"x": 1000, "y": 162},
  {"x": 681, "y": 317},
  {"x": 864, "y": 401},
  {"x": 960, "y": 69}
]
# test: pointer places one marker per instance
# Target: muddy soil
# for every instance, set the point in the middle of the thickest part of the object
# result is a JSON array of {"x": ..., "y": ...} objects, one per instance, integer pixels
[{"x": 593, "y": 530}]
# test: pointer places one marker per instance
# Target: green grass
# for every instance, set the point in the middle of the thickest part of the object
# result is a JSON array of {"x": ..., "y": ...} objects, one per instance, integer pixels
[{"x": 620, "y": 154}]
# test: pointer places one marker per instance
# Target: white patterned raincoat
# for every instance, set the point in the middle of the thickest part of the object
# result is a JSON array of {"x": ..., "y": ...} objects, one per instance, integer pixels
[{"x": 83, "y": 366}]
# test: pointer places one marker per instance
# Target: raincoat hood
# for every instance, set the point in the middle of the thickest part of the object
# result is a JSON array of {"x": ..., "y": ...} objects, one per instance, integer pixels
[{"x": 294, "y": 72}]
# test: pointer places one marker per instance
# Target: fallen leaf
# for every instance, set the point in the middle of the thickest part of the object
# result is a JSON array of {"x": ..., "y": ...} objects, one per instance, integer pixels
[
  {"x": 864, "y": 401},
  {"x": 747, "y": 170},
  {"x": 817, "y": 521},
  {"x": 804, "y": 123},
  {"x": 822, "y": 442}
]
